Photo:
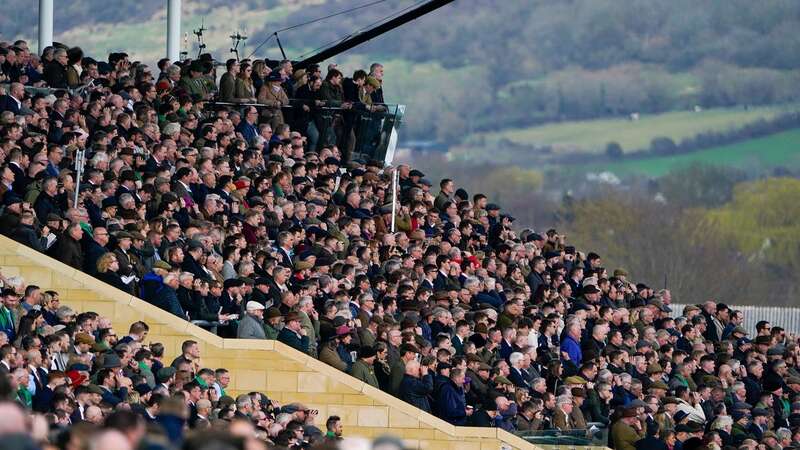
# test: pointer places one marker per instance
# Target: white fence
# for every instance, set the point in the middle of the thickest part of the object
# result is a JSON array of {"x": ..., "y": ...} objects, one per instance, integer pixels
[{"x": 784, "y": 317}]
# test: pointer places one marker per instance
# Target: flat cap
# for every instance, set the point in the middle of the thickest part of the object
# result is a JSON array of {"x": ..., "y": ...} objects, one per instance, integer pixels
[{"x": 252, "y": 306}]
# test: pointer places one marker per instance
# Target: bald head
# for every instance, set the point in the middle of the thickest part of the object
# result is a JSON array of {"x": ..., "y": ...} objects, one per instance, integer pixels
[
  {"x": 412, "y": 368},
  {"x": 502, "y": 403},
  {"x": 13, "y": 419},
  {"x": 110, "y": 439},
  {"x": 94, "y": 415}
]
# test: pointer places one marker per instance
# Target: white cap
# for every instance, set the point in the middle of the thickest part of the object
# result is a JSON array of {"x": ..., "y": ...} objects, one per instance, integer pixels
[{"x": 252, "y": 306}]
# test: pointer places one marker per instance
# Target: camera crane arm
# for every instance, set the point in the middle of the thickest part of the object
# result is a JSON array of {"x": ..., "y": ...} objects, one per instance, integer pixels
[{"x": 371, "y": 33}]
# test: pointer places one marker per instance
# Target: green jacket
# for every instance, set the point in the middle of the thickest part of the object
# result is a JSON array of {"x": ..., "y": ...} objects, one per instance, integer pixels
[
  {"x": 195, "y": 86},
  {"x": 624, "y": 436},
  {"x": 24, "y": 396},
  {"x": 144, "y": 370},
  {"x": 504, "y": 320},
  {"x": 367, "y": 338},
  {"x": 364, "y": 372},
  {"x": 271, "y": 333},
  {"x": 227, "y": 87},
  {"x": 398, "y": 370},
  {"x": 332, "y": 95},
  {"x": 312, "y": 330},
  {"x": 739, "y": 434}
]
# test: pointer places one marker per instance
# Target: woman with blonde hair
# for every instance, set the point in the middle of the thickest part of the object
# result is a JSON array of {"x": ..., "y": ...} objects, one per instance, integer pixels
[
  {"x": 260, "y": 71},
  {"x": 107, "y": 268}
]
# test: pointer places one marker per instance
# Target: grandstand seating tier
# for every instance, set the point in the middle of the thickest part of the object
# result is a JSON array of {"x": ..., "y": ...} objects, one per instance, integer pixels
[{"x": 285, "y": 374}]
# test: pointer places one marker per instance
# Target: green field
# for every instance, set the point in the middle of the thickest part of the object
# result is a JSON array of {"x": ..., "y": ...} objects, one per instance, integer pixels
[
  {"x": 781, "y": 149},
  {"x": 591, "y": 136}
]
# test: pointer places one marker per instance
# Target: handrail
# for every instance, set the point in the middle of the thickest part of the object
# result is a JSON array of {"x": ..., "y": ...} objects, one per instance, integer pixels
[
  {"x": 48, "y": 90},
  {"x": 375, "y": 131},
  {"x": 596, "y": 435},
  {"x": 291, "y": 106}
]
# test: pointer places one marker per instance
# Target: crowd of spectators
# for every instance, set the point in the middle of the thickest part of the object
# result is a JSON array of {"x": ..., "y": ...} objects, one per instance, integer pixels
[
  {"x": 255, "y": 222},
  {"x": 68, "y": 380}
]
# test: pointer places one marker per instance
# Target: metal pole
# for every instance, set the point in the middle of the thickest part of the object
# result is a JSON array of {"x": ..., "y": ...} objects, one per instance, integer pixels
[
  {"x": 45, "y": 24},
  {"x": 279, "y": 45},
  {"x": 79, "y": 160},
  {"x": 394, "y": 198},
  {"x": 173, "y": 29}
]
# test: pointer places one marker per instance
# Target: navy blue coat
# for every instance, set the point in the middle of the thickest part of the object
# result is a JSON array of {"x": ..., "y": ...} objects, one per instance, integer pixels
[
  {"x": 452, "y": 404},
  {"x": 416, "y": 391},
  {"x": 192, "y": 266},
  {"x": 167, "y": 299},
  {"x": 9, "y": 104},
  {"x": 93, "y": 252},
  {"x": 113, "y": 398},
  {"x": 43, "y": 400},
  {"x": 651, "y": 443},
  {"x": 492, "y": 298},
  {"x": 291, "y": 339},
  {"x": 515, "y": 376}
]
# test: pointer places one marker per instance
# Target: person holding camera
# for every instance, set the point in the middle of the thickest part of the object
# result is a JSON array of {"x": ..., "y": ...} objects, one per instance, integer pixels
[{"x": 417, "y": 384}]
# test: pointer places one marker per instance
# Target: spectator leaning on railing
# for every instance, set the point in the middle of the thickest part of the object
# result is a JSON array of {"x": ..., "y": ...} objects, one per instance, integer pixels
[{"x": 255, "y": 223}]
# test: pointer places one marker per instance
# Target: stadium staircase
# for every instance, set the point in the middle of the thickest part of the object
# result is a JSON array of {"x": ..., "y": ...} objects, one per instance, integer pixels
[{"x": 282, "y": 372}]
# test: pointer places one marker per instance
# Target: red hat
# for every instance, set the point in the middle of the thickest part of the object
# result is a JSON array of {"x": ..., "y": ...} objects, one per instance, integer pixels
[
  {"x": 342, "y": 330},
  {"x": 240, "y": 184},
  {"x": 76, "y": 378},
  {"x": 162, "y": 85}
]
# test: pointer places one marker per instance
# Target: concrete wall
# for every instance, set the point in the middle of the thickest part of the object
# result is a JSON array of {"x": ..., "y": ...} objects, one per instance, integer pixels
[{"x": 283, "y": 373}]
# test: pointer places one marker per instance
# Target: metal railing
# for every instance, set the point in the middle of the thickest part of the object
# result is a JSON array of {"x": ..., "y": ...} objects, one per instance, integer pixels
[
  {"x": 595, "y": 435},
  {"x": 360, "y": 133},
  {"x": 784, "y": 317},
  {"x": 374, "y": 132},
  {"x": 33, "y": 90}
]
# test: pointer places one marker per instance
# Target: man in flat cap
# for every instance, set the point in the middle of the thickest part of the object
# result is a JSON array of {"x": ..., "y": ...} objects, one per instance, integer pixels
[{"x": 252, "y": 324}]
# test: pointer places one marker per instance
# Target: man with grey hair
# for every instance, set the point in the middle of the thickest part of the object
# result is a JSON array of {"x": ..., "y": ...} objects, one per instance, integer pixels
[
  {"x": 784, "y": 437},
  {"x": 516, "y": 360},
  {"x": 244, "y": 406},
  {"x": 309, "y": 321},
  {"x": 167, "y": 297},
  {"x": 570, "y": 345},
  {"x": 366, "y": 303},
  {"x": 562, "y": 416},
  {"x": 376, "y": 72},
  {"x": 173, "y": 75},
  {"x": 171, "y": 129},
  {"x": 739, "y": 392},
  {"x": 55, "y": 72},
  {"x": 538, "y": 388},
  {"x": 417, "y": 385}
]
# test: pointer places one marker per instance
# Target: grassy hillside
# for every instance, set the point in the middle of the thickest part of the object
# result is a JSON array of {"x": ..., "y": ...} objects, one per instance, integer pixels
[
  {"x": 778, "y": 150},
  {"x": 591, "y": 136}
]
